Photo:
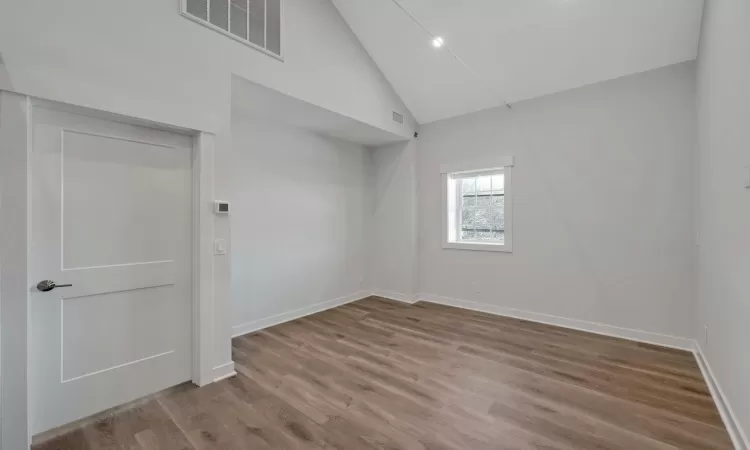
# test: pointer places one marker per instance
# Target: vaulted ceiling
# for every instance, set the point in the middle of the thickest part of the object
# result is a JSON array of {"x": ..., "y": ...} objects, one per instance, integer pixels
[{"x": 499, "y": 51}]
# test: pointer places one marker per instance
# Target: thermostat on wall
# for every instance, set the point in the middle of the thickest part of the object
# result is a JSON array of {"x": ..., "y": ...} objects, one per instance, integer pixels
[{"x": 221, "y": 207}]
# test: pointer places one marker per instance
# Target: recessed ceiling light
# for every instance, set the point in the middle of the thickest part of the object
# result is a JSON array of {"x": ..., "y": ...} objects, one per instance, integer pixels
[{"x": 437, "y": 42}]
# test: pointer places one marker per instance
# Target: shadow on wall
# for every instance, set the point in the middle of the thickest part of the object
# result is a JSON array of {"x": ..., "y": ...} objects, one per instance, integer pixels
[{"x": 4, "y": 76}]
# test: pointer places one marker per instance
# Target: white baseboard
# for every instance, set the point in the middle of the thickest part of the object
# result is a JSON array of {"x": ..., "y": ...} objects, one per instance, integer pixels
[
  {"x": 249, "y": 327},
  {"x": 397, "y": 296},
  {"x": 575, "y": 324},
  {"x": 737, "y": 434},
  {"x": 739, "y": 438},
  {"x": 224, "y": 371}
]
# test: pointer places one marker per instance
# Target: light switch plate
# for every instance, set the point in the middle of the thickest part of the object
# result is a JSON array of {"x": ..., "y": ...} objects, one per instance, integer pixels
[{"x": 220, "y": 247}]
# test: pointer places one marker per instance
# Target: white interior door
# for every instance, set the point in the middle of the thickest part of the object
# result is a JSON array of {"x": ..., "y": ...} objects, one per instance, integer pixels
[{"x": 112, "y": 216}]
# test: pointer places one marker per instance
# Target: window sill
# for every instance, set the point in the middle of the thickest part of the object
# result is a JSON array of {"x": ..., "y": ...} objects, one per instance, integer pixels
[{"x": 479, "y": 246}]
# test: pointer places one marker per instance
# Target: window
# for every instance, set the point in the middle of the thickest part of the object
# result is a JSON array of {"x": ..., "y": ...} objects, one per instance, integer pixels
[
  {"x": 256, "y": 23},
  {"x": 477, "y": 213}
]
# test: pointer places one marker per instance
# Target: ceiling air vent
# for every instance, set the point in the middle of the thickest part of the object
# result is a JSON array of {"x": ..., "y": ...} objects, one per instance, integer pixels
[{"x": 398, "y": 118}]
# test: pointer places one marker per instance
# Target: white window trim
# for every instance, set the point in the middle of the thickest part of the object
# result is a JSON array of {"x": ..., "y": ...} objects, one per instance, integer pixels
[{"x": 505, "y": 164}]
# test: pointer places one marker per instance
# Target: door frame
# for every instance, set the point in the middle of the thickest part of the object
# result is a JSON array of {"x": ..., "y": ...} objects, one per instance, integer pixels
[{"x": 16, "y": 146}]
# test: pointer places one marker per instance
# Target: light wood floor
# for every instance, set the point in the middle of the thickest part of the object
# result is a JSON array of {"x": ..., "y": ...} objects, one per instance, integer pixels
[{"x": 376, "y": 374}]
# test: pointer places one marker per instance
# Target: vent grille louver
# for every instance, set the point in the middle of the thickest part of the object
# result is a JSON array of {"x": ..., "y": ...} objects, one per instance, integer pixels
[
  {"x": 253, "y": 22},
  {"x": 398, "y": 118}
]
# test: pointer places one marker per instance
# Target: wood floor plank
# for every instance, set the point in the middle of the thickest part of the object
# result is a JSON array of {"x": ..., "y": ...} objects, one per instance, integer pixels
[
  {"x": 378, "y": 374},
  {"x": 73, "y": 440}
]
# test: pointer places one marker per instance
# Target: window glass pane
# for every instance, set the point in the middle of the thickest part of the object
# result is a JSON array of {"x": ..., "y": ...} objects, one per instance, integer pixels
[
  {"x": 197, "y": 8},
  {"x": 484, "y": 236},
  {"x": 258, "y": 22},
  {"x": 467, "y": 219},
  {"x": 497, "y": 218},
  {"x": 482, "y": 220},
  {"x": 220, "y": 14},
  {"x": 238, "y": 18},
  {"x": 484, "y": 184},
  {"x": 273, "y": 27},
  {"x": 467, "y": 185},
  {"x": 482, "y": 209}
]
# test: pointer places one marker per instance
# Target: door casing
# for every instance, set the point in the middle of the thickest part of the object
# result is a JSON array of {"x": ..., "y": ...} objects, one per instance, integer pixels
[{"x": 16, "y": 122}]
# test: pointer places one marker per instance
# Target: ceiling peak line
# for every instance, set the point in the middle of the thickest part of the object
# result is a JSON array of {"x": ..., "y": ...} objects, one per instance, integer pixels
[{"x": 432, "y": 35}]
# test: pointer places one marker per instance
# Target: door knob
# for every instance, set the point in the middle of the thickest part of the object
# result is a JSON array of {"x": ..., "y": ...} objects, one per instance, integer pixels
[{"x": 48, "y": 285}]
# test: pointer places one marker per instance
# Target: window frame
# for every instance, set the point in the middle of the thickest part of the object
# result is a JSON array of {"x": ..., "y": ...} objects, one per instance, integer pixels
[
  {"x": 451, "y": 209},
  {"x": 206, "y": 23}
]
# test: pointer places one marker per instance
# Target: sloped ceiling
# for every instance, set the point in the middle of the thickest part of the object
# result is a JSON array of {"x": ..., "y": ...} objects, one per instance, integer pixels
[{"x": 499, "y": 51}]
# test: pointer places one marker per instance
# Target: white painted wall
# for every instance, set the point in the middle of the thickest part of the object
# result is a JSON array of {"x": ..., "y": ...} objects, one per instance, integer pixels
[
  {"x": 299, "y": 208},
  {"x": 724, "y": 211},
  {"x": 602, "y": 204},
  {"x": 141, "y": 58},
  {"x": 393, "y": 221}
]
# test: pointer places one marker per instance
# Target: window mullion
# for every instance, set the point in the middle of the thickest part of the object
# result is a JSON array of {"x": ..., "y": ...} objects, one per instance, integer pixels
[
  {"x": 476, "y": 205},
  {"x": 459, "y": 209}
]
